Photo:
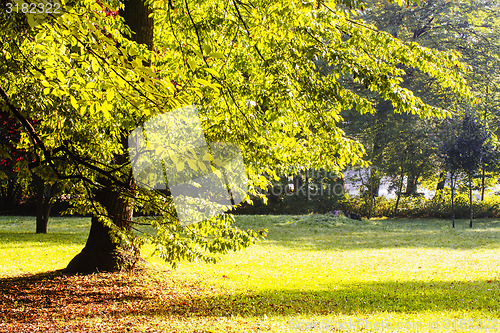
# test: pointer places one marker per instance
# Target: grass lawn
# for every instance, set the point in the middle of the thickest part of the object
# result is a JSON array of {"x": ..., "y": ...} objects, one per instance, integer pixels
[{"x": 313, "y": 273}]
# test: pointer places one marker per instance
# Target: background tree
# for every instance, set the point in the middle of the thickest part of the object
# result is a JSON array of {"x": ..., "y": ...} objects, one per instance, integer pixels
[
  {"x": 411, "y": 154},
  {"x": 470, "y": 28},
  {"x": 475, "y": 146},
  {"x": 469, "y": 145}
]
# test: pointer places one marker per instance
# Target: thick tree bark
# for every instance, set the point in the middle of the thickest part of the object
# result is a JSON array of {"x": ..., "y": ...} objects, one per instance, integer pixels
[
  {"x": 102, "y": 251},
  {"x": 136, "y": 15}
]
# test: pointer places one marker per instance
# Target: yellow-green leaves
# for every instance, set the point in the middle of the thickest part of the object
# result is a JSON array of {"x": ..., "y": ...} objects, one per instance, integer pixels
[{"x": 74, "y": 103}]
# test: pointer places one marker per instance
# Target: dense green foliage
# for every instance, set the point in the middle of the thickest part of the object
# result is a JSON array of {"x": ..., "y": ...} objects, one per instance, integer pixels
[
  {"x": 255, "y": 71},
  {"x": 405, "y": 148}
]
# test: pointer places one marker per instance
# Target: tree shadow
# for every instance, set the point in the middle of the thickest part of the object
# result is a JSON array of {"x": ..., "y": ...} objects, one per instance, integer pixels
[{"x": 129, "y": 299}]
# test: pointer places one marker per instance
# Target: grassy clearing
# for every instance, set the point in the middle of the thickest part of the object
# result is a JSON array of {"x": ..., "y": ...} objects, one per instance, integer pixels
[
  {"x": 22, "y": 251},
  {"x": 311, "y": 270}
]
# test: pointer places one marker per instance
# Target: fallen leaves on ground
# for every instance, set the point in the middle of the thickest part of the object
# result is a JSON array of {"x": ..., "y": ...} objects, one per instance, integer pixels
[{"x": 148, "y": 301}]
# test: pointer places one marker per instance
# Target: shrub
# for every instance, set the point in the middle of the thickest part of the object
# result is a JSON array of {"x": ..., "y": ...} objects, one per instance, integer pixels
[{"x": 420, "y": 207}]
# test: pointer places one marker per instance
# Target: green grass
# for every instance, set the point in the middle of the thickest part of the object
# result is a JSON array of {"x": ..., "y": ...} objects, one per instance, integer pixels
[
  {"x": 310, "y": 269},
  {"x": 23, "y": 251}
]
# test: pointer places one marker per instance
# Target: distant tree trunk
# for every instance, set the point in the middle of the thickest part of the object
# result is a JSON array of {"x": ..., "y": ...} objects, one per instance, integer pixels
[
  {"x": 412, "y": 185},
  {"x": 482, "y": 164},
  {"x": 44, "y": 194},
  {"x": 399, "y": 193},
  {"x": 103, "y": 252},
  {"x": 442, "y": 181},
  {"x": 452, "y": 185},
  {"x": 374, "y": 186},
  {"x": 307, "y": 185},
  {"x": 298, "y": 181},
  {"x": 482, "y": 182},
  {"x": 341, "y": 181},
  {"x": 470, "y": 201}
]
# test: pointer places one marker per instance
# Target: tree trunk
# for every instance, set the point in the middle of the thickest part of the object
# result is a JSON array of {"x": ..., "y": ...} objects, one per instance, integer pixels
[
  {"x": 452, "y": 185},
  {"x": 103, "y": 252},
  {"x": 136, "y": 15},
  {"x": 412, "y": 185},
  {"x": 442, "y": 181},
  {"x": 43, "y": 205},
  {"x": 482, "y": 182},
  {"x": 372, "y": 195},
  {"x": 470, "y": 201},
  {"x": 298, "y": 181},
  {"x": 307, "y": 185},
  {"x": 482, "y": 164},
  {"x": 42, "y": 213},
  {"x": 399, "y": 194}
]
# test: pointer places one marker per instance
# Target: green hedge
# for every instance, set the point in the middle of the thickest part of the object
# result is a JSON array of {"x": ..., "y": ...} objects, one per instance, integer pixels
[{"x": 437, "y": 207}]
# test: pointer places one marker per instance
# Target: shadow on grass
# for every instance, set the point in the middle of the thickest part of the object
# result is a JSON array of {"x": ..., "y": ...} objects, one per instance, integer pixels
[
  {"x": 31, "y": 240},
  {"x": 43, "y": 299},
  {"x": 324, "y": 232}
]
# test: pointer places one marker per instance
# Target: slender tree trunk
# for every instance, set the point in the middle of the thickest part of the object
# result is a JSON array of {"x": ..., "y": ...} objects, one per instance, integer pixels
[
  {"x": 483, "y": 176},
  {"x": 470, "y": 201},
  {"x": 399, "y": 194},
  {"x": 41, "y": 219},
  {"x": 298, "y": 181},
  {"x": 307, "y": 185},
  {"x": 442, "y": 181},
  {"x": 103, "y": 252},
  {"x": 44, "y": 194},
  {"x": 482, "y": 182},
  {"x": 452, "y": 185},
  {"x": 370, "y": 208}
]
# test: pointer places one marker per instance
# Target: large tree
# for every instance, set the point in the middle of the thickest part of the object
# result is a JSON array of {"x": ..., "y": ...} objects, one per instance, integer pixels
[{"x": 250, "y": 67}]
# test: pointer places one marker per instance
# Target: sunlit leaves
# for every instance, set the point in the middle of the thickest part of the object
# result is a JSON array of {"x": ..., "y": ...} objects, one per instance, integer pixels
[{"x": 269, "y": 76}]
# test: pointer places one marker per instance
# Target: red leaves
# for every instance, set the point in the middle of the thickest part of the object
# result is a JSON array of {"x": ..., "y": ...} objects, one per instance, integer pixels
[
  {"x": 110, "y": 12},
  {"x": 10, "y": 135}
]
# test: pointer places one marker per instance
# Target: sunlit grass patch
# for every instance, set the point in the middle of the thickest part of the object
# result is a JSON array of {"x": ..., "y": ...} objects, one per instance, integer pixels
[
  {"x": 311, "y": 270},
  {"x": 22, "y": 251}
]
